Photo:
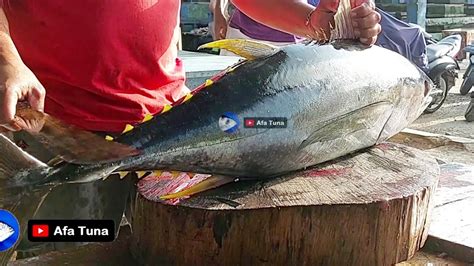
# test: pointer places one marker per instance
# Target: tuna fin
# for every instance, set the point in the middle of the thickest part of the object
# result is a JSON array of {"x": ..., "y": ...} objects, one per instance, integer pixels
[
  {"x": 208, "y": 184},
  {"x": 366, "y": 117},
  {"x": 14, "y": 159},
  {"x": 247, "y": 49},
  {"x": 166, "y": 185},
  {"x": 22, "y": 201},
  {"x": 55, "y": 161},
  {"x": 70, "y": 143}
]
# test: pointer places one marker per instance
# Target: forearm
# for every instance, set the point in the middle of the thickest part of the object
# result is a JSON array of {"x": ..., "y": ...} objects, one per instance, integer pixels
[
  {"x": 285, "y": 15},
  {"x": 8, "y": 51},
  {"x": 221, "y": 6}
]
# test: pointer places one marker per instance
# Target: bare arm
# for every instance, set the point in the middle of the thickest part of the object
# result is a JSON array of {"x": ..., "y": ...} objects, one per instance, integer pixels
[
  {"x": 17, "y": 82},
  {"x": 290, "y": 16},
  {"x": 221, "y": 17},
  {"x": 285, "y": 15},
  {"x": 222, "y": 6}
]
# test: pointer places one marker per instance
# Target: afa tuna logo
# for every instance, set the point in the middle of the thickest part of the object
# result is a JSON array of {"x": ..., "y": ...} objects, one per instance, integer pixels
[
  {"x": 229, "y": 122},
  {"x": 9, "y": 230}
]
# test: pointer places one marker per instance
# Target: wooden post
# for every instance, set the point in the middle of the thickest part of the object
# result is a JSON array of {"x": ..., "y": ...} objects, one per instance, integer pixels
[
  {"x": 416, "y": 12},
  {"x": 370, "y": 208}
]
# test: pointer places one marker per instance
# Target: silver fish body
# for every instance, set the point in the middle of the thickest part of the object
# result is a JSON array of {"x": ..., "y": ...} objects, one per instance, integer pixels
[{"x": 337, "y": 99}]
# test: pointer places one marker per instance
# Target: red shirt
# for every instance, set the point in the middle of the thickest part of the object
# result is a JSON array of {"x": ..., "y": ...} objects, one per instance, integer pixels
[{"x": 104, "y": 63}]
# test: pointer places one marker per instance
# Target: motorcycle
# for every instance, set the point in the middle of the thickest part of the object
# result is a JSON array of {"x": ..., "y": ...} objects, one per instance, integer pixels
[
  {"x": 443, "y": 68},
  {"x": 468, "y": 77}
]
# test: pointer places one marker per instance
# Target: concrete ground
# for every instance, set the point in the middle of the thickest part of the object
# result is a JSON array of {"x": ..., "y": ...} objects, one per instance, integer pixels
[{"x": 449, "y": 119}]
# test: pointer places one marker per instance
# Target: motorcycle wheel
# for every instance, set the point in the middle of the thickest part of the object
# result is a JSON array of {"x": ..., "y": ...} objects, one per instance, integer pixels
[
  {"x": 467, "y": 82},
  {"x": 440, "y": 93}
]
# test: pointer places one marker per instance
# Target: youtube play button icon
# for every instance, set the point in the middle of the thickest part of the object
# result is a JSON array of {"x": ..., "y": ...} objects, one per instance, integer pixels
[{"x": 40, "y": 230}]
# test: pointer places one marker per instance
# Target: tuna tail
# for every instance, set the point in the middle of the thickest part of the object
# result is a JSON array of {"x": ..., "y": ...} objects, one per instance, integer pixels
[
  {"x": 69, "y": 142},
  {"x": 22, "y": 201}
]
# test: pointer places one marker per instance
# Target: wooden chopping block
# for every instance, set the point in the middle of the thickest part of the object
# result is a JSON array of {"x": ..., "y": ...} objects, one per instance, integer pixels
[{"x": 369, "y": 208}]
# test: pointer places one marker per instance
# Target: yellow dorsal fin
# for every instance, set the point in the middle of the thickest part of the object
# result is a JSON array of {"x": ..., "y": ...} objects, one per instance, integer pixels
[
  {"x": 147, "y": 118},
  {"x": 245, "y": 48}
]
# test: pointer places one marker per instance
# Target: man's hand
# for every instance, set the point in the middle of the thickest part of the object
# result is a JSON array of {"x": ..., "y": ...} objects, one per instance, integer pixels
[
  {"x": 219, "y": 9},
  {"x": 220, "y": 25},
  {"x": 17, "y": 83},
  {"x": 365, "y": 21}
]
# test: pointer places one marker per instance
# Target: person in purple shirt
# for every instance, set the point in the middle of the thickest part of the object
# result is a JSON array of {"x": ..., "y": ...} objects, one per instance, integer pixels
[
  {"x": 240, "y": 26},
  {"x": 395, "y": 34}
]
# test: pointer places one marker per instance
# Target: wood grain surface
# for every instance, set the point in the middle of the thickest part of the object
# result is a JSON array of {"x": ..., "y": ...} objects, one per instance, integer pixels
[{"x": 369, "y": 208}]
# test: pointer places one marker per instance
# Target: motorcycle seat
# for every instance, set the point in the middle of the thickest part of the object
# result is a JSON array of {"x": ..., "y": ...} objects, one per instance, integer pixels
[
  {"x": 443, "y": 47},
  {"x": 437, "y": 50}
]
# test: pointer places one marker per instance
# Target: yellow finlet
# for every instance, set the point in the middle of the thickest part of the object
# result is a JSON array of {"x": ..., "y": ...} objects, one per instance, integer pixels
[
  {"x": 209, "y": 183},
  {"x": 247, "y": 49},
  {"x": 166, "y": 108},
  {"x": 208, "y": 82},
  {"x": 122, "y": 174},
  {"x": 157, "y": 173},
  {"x": 109, "y": 138},
  {"x": 188, "y": 96},
  {"x": 140, "y": 174},
  {"x": 175, "y": 174},
  {"x": 128, "y": 128},
  {"x": 147, "y": 118}
]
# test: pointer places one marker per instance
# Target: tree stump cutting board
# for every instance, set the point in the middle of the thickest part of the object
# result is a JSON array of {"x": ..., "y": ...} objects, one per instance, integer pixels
[{"x": 369, "y": 208}]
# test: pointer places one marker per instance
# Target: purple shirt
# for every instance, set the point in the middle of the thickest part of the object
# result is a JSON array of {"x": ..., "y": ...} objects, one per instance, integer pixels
[{"x": 259, "y": 31}]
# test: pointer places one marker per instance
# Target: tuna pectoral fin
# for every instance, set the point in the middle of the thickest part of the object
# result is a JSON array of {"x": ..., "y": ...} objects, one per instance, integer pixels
[
  {"x": 68, "y": 142},
  {"x": 13, "y": 159},
  {"x": 245, "y": 48},
  {"x": 365, "y": 118}
]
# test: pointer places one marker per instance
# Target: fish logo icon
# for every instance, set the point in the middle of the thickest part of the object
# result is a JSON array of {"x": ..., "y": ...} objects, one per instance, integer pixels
[
  {"x": 9, "y": 230},
  {"x": 229, "y": 122}
]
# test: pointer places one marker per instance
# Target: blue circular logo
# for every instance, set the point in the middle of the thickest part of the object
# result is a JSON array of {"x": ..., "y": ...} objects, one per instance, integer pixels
[
  {"x": 9, "y": 230},
  {"x": 229, "y": 122}
]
